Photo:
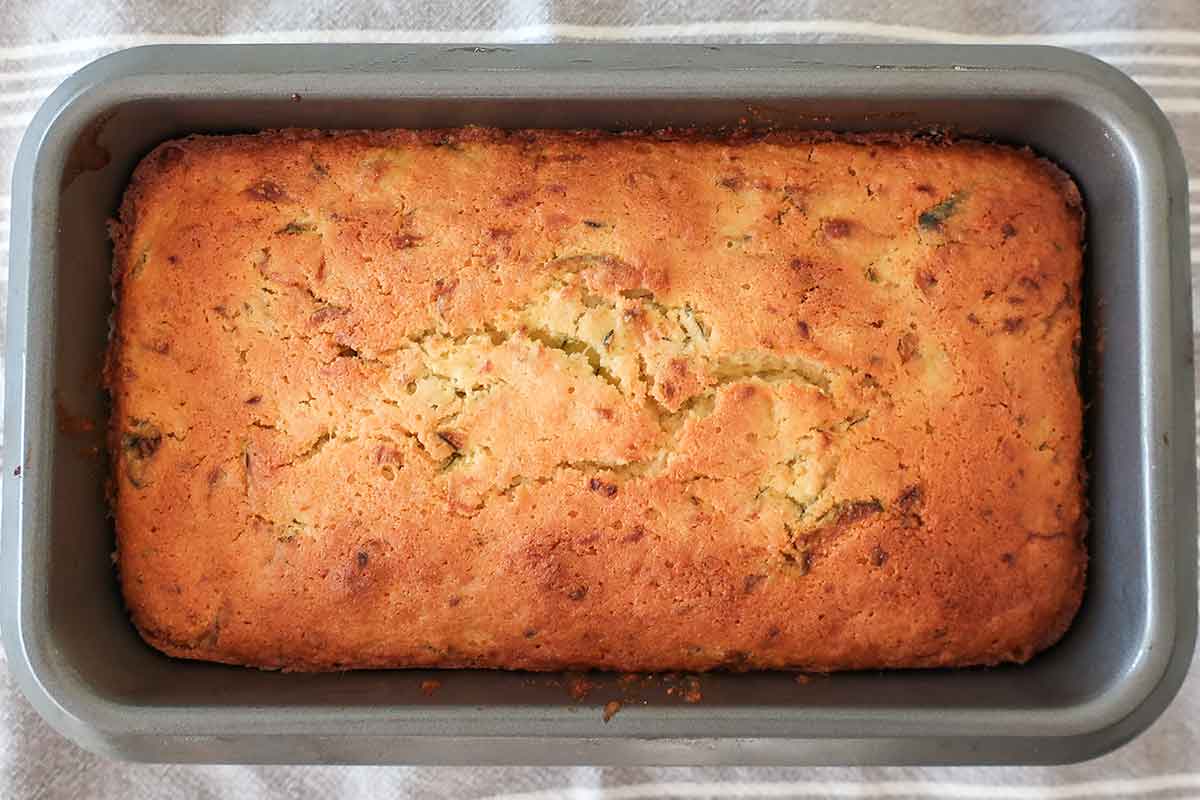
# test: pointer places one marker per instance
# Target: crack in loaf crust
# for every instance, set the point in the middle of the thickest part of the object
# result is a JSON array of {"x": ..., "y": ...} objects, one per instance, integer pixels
[{"x": 640, "y": 402}]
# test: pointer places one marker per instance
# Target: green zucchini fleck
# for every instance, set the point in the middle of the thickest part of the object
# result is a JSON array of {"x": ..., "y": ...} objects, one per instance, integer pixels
[
  {"x": 293, "y": 228},
  {"x": 932, "y": 218}
]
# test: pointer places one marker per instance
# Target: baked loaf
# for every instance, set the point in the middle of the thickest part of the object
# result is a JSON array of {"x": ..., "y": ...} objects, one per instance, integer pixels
[{"x": 551, "y": 400}]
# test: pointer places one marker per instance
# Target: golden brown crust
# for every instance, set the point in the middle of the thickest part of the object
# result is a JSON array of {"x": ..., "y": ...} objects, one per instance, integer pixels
[{"x": 639, "y": 402}]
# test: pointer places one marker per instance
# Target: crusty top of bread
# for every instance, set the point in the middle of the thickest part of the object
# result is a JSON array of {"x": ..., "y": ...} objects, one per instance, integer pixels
[{"x": 539, "y": 400}]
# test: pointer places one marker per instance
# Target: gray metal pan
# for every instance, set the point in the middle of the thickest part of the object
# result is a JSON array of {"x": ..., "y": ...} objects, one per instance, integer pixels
[{"x": 79, "y": 661}]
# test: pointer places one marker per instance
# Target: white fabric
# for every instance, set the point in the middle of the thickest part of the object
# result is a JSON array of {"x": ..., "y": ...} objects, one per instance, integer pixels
[{"x": 1157, "y": 43}]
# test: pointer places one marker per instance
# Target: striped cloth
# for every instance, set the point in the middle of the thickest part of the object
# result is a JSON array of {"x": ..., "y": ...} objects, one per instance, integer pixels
[{"x": 1158, "y": 44}]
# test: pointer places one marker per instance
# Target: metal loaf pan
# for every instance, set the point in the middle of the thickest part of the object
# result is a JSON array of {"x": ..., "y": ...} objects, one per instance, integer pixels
[{"x": 80, "y": 662}]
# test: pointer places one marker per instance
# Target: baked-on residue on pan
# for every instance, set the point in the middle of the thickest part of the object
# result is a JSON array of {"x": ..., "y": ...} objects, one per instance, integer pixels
[{"x": 649, "y": 401}]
